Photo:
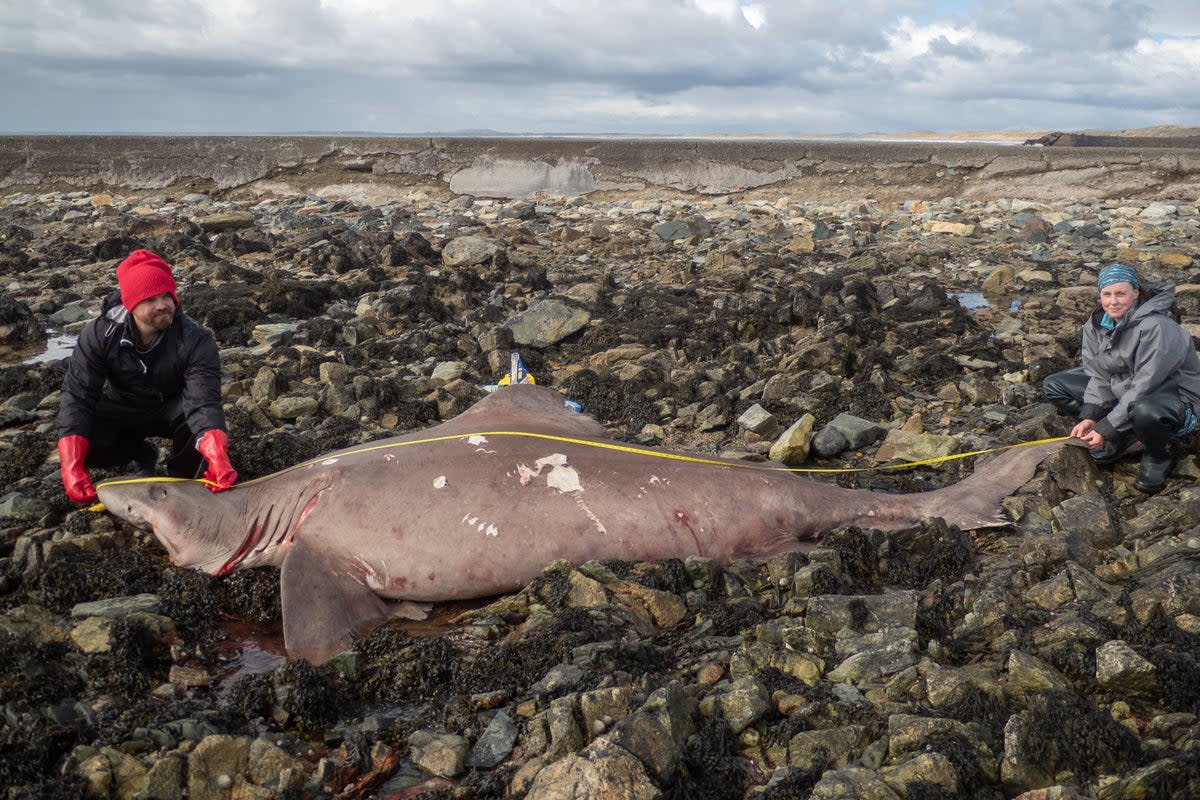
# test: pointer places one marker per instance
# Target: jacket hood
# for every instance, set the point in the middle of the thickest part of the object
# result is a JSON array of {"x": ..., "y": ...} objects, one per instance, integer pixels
[{"x": 112, "y": 309}]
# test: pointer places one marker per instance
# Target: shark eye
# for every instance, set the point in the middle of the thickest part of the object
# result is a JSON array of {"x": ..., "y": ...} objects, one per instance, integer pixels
[{"x": 158, "y": 493}]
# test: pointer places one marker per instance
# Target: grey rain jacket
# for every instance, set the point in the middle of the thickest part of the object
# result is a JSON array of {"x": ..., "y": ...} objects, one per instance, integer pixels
[
  {"x": 183, "y": 362},
  {"x": 1147, "y": 353}
]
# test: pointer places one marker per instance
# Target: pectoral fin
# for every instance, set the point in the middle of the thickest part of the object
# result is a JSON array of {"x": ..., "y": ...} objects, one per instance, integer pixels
[{"x": 326, "y": 603}]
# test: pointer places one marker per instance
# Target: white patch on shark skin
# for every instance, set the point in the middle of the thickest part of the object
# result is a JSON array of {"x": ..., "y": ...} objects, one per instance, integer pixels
[
  {"x": 477, "y": 442},
  {"x": 565, "y": 479},
  {"x": 329, "y": 462},
  {"x": 370, "y": 578},
  {"x": 481, "y": 525},
  {"x": 654, "y": 481},
  {"x": 388, "y": 457},
  {"x": 526, "y": 474},
  {"x": 439, "y": 482},
  {"x": 588, "y": 513},
  {"x": 562, "y": 477}
]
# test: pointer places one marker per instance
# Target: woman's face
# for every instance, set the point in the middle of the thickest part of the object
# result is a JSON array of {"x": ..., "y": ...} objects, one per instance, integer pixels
[{"x": 1118, "y": 298}]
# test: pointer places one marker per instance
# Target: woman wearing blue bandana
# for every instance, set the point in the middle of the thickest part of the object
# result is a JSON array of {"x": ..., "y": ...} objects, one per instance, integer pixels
[{"x": 1139, "y": 385}]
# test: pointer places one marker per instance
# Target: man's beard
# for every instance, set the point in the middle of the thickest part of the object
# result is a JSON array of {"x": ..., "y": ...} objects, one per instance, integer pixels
[{"x": 162, "y": 320}]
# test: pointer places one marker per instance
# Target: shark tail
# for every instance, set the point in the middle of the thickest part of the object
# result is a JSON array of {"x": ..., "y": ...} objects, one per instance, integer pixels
[{"x": 974, "y": 502}]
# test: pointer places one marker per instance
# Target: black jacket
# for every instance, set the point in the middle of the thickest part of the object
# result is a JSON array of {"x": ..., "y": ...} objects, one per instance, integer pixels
[{"x": 183, "y": 363}]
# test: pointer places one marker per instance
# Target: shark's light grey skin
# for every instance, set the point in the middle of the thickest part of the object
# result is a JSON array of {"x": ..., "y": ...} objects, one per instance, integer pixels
[{"x": 368, "y": 533}]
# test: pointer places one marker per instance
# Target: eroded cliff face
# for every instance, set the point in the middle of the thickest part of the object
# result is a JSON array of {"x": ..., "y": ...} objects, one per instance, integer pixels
[{"x": 372, "y": 167}]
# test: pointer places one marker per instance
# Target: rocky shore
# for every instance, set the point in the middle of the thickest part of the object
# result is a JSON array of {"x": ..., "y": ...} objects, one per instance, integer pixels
[{"x": 1056, "y": 658}]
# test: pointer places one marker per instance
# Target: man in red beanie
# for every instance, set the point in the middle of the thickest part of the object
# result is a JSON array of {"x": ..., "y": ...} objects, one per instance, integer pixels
[{"x": 140, "y": 369}]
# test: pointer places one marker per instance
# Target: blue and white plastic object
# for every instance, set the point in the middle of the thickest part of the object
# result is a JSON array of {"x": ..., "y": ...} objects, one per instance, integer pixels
[{"x": 516, "y": 371}]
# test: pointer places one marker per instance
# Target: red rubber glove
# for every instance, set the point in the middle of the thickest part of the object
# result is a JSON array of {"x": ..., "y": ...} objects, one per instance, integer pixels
[
  {"x": 220, "y": 472},
  {"x": 72, "y": 450}
]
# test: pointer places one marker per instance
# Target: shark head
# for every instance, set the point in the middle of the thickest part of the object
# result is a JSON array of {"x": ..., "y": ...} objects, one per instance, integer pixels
[{"x": 185, "y": 517}]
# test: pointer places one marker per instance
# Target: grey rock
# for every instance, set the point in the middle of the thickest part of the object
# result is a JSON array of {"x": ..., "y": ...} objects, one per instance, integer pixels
[
  {"x": 19, "y": 506},
  {"x": 265, "y": 387},
  {"x": 675, "y": 230},
  {"x": 494, "y": 744},
  {"x": 913, "y": 734},
  {"x": 828, "y": 442},
  {"x": 271, "y": 767},
  {"x": 229, "y": 221},
  {"x": 446, "y": 371},
  {"x": 669, "y": 706},
  {"x": 217, "y": 767},
  {"x": 859, "y": 432},
  {"x": 928, "y": 772},
  {"x": 165, "y": 780},
  {"x": 564, "y": 731},
  {"x": 560, "y": 676},
  {"x": 830, "y": 747},
  {"x": 274, "y": 334},
  {"x": 117, "y": 607},
  {"x": 1028, "y": 674},
  {"x": 780, "y": 387},
  {"x": 757, "y": 419},
  {"x": 18, "y": 324},
  {"x": 1020, "y": 767},
  {"x": 852, "y": 783},
  {"x": 744, "y": 704},
  {"x": 601, "y": 707},
  {"x": 878, "y": 661},
  {"x": 1119, "y": 668},
  {"x": 1090, "y": 516},
  {"x": 469, "y": 251},
  {"x": 335, "y": 372},
  {"x": 441, "y": 754},
  {"x": 545, "y": 323},
  {"x": 294, "y": 406},
  {"x": 603, "y": 771},
  {"x": 643, "y": 736},
  {"x": 75, "y": 311},
  {"x": 864, "y": 613}
]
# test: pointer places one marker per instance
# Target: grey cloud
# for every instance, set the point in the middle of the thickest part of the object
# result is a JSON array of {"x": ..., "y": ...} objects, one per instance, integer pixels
[
  {"x": 963, "y": 51},
  {"x": 1175, "y": 18},
  {"x": 1069, "y": 25},
  {"x": 578, "y": 66}
]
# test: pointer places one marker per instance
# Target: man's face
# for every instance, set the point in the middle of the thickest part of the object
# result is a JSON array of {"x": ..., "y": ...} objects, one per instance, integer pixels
[
  {"x": 155, "y": 314},
  {"x": 1117, "y": 299}
]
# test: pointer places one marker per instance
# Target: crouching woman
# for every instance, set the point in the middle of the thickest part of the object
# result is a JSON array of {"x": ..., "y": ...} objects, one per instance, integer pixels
[{"x": 1139, "y": 384}]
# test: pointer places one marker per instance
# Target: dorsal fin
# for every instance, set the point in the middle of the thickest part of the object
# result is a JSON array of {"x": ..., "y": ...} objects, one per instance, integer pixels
[{"x": 523, "y": 407}]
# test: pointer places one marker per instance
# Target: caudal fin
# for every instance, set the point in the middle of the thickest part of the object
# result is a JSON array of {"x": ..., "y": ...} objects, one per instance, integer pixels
[{"x": 974, "y": 502}]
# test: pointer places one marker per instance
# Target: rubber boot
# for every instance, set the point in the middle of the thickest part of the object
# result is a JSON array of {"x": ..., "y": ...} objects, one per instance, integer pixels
[
  {"x": 1155, "y": 420},
  {"x": 1123, "y": 444}
]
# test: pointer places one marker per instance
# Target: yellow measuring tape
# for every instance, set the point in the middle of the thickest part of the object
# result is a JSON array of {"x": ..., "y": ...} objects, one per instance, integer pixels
[{"x": 620, "y": 448}]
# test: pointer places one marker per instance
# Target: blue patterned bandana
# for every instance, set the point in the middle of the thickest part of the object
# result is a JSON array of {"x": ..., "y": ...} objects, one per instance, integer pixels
[{"x": 1118, "y": 273}]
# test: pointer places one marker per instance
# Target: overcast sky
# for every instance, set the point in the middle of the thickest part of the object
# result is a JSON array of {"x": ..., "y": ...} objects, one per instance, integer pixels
[{"x": 596, "y": 66}]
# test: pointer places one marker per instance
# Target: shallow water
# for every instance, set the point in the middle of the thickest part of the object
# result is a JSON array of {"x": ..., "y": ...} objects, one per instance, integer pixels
[
  {"x": 252, "y": 648},
  {"x": 57, "y": 345},
  {"x": 974, "y": 301}
]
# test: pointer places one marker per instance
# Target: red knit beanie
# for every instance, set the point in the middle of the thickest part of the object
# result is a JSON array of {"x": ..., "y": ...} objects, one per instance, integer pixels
[{"x": 143, "y": 275}]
